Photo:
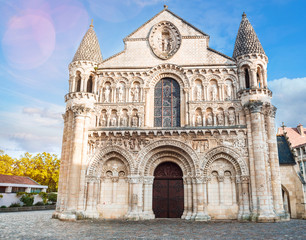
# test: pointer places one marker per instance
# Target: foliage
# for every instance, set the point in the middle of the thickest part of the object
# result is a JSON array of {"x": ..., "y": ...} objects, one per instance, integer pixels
[
  {"x": 42, "y": 168},
  {"x": 39, "y": 204},
  {"x": 15, "y": 205},
  {"x": 52, "y": 197},
  {"x": 27, "y": 199},
  {"x": 1, "y": 196},
  {"x": 44, "y": 197},
  {"x": 3, "y": 206}
]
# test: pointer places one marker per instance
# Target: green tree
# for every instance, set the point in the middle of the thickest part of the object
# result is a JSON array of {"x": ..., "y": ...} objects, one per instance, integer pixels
[{"x": 42, "y": 168}]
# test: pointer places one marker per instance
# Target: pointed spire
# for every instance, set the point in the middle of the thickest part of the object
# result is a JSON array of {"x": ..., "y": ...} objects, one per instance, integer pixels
[
  {"x": 246, "y": 41},
  {"x": 89, "y": 48}
]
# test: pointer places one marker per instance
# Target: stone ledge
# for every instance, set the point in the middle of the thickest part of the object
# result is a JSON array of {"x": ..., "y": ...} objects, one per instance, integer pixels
[{"x": 32, "y": 208}]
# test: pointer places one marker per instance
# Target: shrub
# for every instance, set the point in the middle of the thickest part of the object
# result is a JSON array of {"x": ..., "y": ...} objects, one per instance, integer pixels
[
  {"x": 1, "y": 196},
  {"x": 27, "y": 200},
  {"x": 52, "y": 197},
  {"x": 15, "y": 205},
  {"x": 3, "y": 206},
  {"x": 39, "y": 204},
  {"x": 44, "y": 197}
]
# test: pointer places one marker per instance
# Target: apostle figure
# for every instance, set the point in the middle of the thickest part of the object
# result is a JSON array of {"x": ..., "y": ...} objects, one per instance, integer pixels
[
  {"x": 229, "y": 91},
  {"x": 220, "y": 119},
  {"x": 103, "y": 120},
  {"x": 199, "y": 120},
  {"x": 199, "y": 92},
  {"x": 124, "y": 121},
  {"x": 136, "y": 94},
  {"x": 114, "y": 120},
  {"x": 135, "y": 121},
  {"x": 231, "y": 118},
  {"x": 120, "y": 93},
  {"x": 209, "y": 119},
  {"x": 107, "y": 94},
  {"x": 214, "y": 93}
]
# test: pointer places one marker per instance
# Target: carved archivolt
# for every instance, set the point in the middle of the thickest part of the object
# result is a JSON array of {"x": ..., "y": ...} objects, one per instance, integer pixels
[
  {"x": 101, "y": 156},
  {"x": 158, "y": 158},
  {"x": 160, "y": 146},
  {"x": 167, "y": 70},
  {"x": 228, "y": 154}
]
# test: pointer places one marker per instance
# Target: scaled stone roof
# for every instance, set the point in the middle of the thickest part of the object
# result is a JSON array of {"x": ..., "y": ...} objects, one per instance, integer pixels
[
  {"x": 17, "y": 180},
  {"x": 246, "y": 41},
  {"x": 285, "y": 155},
  {"x": 295, "y": 138},
  {"x": 89, "y": 48}
]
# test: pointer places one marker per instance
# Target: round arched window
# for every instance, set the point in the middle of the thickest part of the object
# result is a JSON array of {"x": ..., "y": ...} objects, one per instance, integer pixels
[{"x": 167, "y": 103}]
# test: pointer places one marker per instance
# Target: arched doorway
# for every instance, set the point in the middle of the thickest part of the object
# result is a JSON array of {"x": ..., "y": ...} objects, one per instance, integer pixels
[
  {"x": 167, "y": 103},
  {"x": 168, "y": 191}
]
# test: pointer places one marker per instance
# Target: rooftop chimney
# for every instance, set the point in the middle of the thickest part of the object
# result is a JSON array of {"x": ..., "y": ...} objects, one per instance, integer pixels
[{"x": 300, "y": 130}]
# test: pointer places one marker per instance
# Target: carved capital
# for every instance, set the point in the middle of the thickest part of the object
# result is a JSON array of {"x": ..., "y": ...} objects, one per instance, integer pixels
[
  {"x": 90, "y": 178},
  {"x": 187, "y": 180},
  {"x": 80, "y": 110},
  {"x": 148, "y": 180},
  {"x": 221, "y": 178},
  {"x": 200, "y": 179},
  {"x": 245, "y": 179},
  {"x": 271, "y": 111},
  {"x": 254, "y": 106},
  {"x": 115, "y": 179},
  {"x": 135, "y": 179}
]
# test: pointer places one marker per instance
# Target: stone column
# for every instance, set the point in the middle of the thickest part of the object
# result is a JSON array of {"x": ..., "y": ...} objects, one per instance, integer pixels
[
  {"x": 135, "y": 211},
  {"x": 221, "y": 189},
  {"x": 274, "y": 164},
  {"x": 114, "y": 189},
  {"x": 234, "y": 194},
  {"x": 201, "y": 215},
  {"x": 185, "y": 109},
  {"x": 91, "y": 199},
  {"x": 194, "y": 199},
  {"x": 148, "y": 196},
  {"x": 185, "y": 198},
  {"x": 253, "y": 77},
  {"x": 264, "y": 209},
  {"x": 189, "y": 198},
  {"x": 245, "y": 206},
  {"x": 241, "y": 79},
  {"x": 80, "y": 112}
]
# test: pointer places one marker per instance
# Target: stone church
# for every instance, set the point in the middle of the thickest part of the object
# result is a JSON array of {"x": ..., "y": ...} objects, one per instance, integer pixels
[{"x": 170, "y": 128}]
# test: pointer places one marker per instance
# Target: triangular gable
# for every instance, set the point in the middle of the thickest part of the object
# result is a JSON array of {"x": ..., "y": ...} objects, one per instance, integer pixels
[{"x": 185, "y": 28}]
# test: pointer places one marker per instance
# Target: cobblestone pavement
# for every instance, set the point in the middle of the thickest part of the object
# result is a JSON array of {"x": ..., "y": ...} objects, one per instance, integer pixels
[{"x": 39, "y": 225}]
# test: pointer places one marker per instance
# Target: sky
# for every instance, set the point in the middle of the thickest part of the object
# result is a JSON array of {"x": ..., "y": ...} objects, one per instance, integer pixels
[{"x": 38, "y": 39}]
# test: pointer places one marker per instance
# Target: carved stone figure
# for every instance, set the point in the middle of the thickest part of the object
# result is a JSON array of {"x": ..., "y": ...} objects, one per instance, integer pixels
[
  {"x": 229, "y": 91},
  {"x": 135, "y": 121},
  {"x": 114, "y": 120},
  {"x": 220, "y": 119},
  {"x": 103, "y": 120},
  {"x": 124, "y": 121},
  {"x": 120, "y": 93},
  {"x": 199, "y": 120},
  {"x": 107, "y": 94},
  {"x": 210, "y": 119},
  {"x": 231, "y": 118},
  {"x": 136, "y": 94},
  {"x": 214, "y": 92},
  {"x": 199, "y": 92}
]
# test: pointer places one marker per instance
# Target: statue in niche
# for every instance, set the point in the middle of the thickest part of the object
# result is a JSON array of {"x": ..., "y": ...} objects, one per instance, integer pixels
[
  {"x": 199, "y": 92},
  {"x": 210, "y": 119},
  {"x": 135, "y": 121},
  {"x": 107, "y": 94},
  {"x": 124, "y": 121},
  {"x": 114, "y": 120},
  {"x": 220, "y": 119},
  {"x": 165, "y": 41},
  {"x": 229, "y": 91},
  {"x": 120, "y": 93},
  {"x": 214, "y": 92},
  {"x": 199, "y": 120},
  {"x": 136, "y": 94},
  {"x": 103, "y": 120},
  {"x": 231, "y": 118}
]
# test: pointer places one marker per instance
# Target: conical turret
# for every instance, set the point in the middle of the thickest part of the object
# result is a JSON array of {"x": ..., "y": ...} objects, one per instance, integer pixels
[
  {"x": 247, "y": 41},
  {"x": 89, "y": 49}
]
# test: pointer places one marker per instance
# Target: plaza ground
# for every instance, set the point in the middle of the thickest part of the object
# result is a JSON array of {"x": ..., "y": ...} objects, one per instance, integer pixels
[{"x": 40, "y": 225}]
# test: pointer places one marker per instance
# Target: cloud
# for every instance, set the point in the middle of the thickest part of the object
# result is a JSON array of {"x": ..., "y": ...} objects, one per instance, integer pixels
[{"x": 289, "y": 98}]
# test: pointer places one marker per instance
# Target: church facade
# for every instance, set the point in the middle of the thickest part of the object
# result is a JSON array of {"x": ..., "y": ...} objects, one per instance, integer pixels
[{"x": 170, "y": 128}]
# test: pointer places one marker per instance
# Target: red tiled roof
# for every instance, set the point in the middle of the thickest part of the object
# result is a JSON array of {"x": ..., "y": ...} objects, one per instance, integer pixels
[
  {"x": 17, "y": 180},
  {"x": 294, "y": 136}
]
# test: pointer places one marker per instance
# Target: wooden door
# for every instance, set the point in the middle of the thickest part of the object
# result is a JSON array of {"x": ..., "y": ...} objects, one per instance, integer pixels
[{"x": 168, "y": 191}]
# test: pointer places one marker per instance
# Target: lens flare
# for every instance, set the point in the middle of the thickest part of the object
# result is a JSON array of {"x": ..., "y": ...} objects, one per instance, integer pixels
[{"x": 29, "y": 41}]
